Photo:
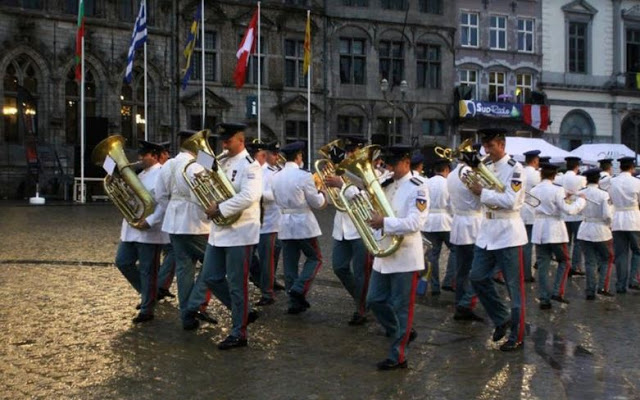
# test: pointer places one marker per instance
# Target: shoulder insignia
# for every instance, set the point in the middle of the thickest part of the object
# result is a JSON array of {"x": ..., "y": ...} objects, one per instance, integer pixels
[
  {"x": 488, "y": 162},
  {"x": 416, "y": 181},
  {"x": 249, "y": 159},
  {"x": 516, "y": 185},
  {"x": 556, "y": 184},
  {"x": 271, "y": 168},
  {"x": 387, "y": 182},
  {"x": 421, "y": 204},
  {"x": 512, "y": 162},
  {"x": 516, "y": 175}
]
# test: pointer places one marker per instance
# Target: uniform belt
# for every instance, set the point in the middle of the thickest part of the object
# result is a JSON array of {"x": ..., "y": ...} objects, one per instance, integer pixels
[
  {"x": 294, "y": 210},
  {"x": 468, "y": 213},
  {"x": 177, "y": 197},
  {"x": 632, "y": 208},
  {"x": 438, "y": 211},
  {"x": 595, "y": 220},
  {"x": 545, "y": 216},
  {"x": 501, "y": 214}
]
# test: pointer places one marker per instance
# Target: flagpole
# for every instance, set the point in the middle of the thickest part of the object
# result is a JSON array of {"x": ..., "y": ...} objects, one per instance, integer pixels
[
  {"x": 146, "y": 113},
  {"x": 309, "y": 108},
  {"x": 82, "y": 188},
  {"x": 202, "y": 44},
  {"x": 259, "y": 77}
]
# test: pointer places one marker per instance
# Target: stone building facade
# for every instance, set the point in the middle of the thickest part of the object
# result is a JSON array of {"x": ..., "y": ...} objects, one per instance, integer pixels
[{"x": 355, "y": 45}]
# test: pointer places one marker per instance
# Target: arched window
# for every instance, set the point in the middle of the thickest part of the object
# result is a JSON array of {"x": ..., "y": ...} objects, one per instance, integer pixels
[
  {"x": 576, "y": 128},
  {"x": 72, "y": 103},
  {"x": 631, "y": 132},
  {"x": 20, "y": 98},
  {"x": 132, "y": 118}
]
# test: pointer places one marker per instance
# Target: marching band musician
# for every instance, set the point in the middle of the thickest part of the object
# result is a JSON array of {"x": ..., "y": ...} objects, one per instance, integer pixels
[
  {"x": 467, "y": 216},
  {"x": 269, "y": 245},
  {"x": 168, "y": 267},
  {"x": 417, "y": 163},
  {"x": 350, "y": 259},
  {"x": 606, "y": 173},
  {"x": 572, "y": 183},
  {"x": 143, "y": 243},
  {"x": 532, "y": 176},
  {"x": 225, "y": 270},
  {"x": 186, "y": 224},
  {"x": 625, "y": 195},
  {"x": 500, "y": 239},
  {"x": 295, "y": 193},
  {"x": 596, "y": 235},
  {"x": 550, "y": 234},
  {"x": 394, "y": 278}
]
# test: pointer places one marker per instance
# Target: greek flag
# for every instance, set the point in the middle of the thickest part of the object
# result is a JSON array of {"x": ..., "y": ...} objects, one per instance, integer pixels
[{"x": 138, "y": 38}]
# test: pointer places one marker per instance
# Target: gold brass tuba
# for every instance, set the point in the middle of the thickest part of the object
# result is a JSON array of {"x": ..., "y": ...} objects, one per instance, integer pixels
[
  {"x": 325, "y": 167},
  {"x": 209, "y": 186},
  {"x": 124, "y": 187},
  {"x": 361, "y": 206}
]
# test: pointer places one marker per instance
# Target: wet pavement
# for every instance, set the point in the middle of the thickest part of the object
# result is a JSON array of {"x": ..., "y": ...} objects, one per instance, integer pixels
[{"x": 66, "y": 312}]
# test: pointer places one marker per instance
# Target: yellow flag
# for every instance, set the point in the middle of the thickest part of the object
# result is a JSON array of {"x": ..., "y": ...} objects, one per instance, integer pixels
[{"x": 307, "y": 46}]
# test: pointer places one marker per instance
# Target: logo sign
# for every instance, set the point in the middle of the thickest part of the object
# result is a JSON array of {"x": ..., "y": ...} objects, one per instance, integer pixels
[{"x": 472, "y": 108}]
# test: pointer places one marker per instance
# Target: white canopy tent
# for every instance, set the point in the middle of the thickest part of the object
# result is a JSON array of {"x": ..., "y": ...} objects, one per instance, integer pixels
[
  {"x": 516, "y": 146},
  {"x": 591, "y": 153}
]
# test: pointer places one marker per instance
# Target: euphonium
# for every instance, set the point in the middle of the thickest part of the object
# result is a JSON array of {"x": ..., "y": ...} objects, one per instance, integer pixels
[
  {"x": 325, "y": 167},
  {"x": 209, "y": 186},
  {"x": 124, "y": 187},
  {"x": 361, "y": 206}
]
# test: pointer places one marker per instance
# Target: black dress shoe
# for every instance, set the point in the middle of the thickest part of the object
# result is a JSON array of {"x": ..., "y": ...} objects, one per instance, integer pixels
[
  {"x": 142, "y": 318},
  {"x": 465, "y": 314},
  {"x": 605, "y": 293},
  {"x": 297, "y": 309},
  {"x": 621, "y": 291},
  {"x": 232, "y": 341},
  {"x": 447, "y": 288},
  {"x": 162, "y": 293},
  {"x": 530, "y": 280},
  {"x": 511, "y": 345},
  {"x": 591, "y": 297},
  {"x": 501, "y": 331},
  {"x": 388, "y": 365},
  {"x": 278, "y": 286},
  {"x": 300, "y": 299},
  {"x": 545, "y": 306},
  {"x": 412, "y": 335},
  {"x": 634, "y": 287},
  {"x": 252, "y": 316},
  {"x": 265, "y": 302},
  {"x": 206, "y": 317},
  {"x": 559, "y": 299},
  {"x": 190, "y": 323},
  {"x": 357, "y": 319}
]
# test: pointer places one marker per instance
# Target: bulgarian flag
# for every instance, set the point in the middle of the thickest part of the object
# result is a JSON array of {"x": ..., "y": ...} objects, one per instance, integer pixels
[{"x": 79, "y": 36}]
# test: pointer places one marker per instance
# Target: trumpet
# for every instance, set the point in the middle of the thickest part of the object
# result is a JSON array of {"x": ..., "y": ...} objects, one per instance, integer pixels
[{"x": 325, "y": 167}]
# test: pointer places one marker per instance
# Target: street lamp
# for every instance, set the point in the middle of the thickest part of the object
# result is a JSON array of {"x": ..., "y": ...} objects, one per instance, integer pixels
[{"x": 385, "y": 89}]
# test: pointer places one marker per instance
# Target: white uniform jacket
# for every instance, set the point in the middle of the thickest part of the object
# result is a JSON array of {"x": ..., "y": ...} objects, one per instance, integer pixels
[
  {"x": 295, "y": 193},
  {"x": 184, "y": 215},
  {"x": 549, "y": 227},
  {"x": 532, "y": 177},
  {"x": 439, "y": 209},
  {"x": 271, "y": 212},
  {"x": 502, "y": 225},
  {"x": 409, "y": 199},
  {"x": 154, "y": 234},
  {"x": 466, "y": 208},
  {"x": 605, "y": 181},
  {"x": 245, "y": 174},
  {"x": 625, "y": 195},
  {"x": 573, "y": 183},
  {"x": 598, "y": 213}
]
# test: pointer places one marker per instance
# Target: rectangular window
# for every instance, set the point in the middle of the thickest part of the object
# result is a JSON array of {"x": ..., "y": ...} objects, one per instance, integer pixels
[
  {"x": 578, "y": 47},
  {"x": 433, "y": 127},
  {"x": 128, "y": 10},
  {"x": 496, "y": 86},
  {"x": 384, "y": 127},
  {"x": 525, "y": 35},
  {"x": 296, "y": 131},
  {"x": 391, "y": 56},
  {"x": 469, "y": 77},
  {"x": 296, "y": 2},
  {"x": 350, "y": 125},
  {"x": 469, "y": 29},
  {"x": 352, "y": 61},
  {"x": 293, "y": 63},
  {"x": 430, "y": 6},
  {"x": 498, "y": 33},
  {"x": 31, "y": 4},
  {"x": 355, "y": 3},
  {"x": 252, "y": 68},
  {"x": 428, "y": 59},
  {"x": 633, "y": 57},
  {"x": 89, "y": 7},
  {"x": 524, "y": 85},
  {"x": 210, "y": 57},
  {"x": 394, "y": 4}
]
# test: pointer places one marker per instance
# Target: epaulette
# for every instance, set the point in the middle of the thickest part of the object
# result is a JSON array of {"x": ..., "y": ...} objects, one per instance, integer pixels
[
  {"x": 272, "y": 168},
  {"x": 584, "y": 188},
  {"x": 387, "y": 182},
  {"x": 416, "y": 181},
  {"x": 488, "y": 162},
  {"x": 556, "y": 184},
  {"x": 512, "y": 162},
  {"x": 249, "y": 159}
]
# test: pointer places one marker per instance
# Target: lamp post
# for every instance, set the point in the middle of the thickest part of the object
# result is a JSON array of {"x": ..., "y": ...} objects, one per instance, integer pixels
[{"x": 386, "y": 89}]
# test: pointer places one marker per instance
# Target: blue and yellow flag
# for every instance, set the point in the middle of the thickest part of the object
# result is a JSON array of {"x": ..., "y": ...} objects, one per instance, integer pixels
[{"x": 192, "y": 38}]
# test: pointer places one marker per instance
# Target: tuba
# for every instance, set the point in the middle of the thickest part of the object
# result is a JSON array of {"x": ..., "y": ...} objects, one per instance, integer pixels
[
  {"x": 325, "y": 167},
  {"x": 209, "y": 186},
  {"x": 124, "y": 187},
  {"x": 362, "y": 205}
]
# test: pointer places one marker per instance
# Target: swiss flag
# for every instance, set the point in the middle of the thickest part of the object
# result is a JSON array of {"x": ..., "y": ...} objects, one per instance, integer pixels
[
  {"x": 247, "y": 46},
  {"x": 536, "y": 116}
]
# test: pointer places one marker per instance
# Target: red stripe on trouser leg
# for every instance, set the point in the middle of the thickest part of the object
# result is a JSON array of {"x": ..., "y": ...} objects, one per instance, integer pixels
[
  {"x": 207, "y": 297},
  {"x": 245, "y": 290},
  {"x": 307, "y": 284},
  {"x": 407, "y": 332},
  {"x": 609, "y": 265},
  {"x": 567, "y": 268},
  {"x": 474, "y": 301},
  {"x": 365, "y": 284},
  {"x": 523, "y": 301}
]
